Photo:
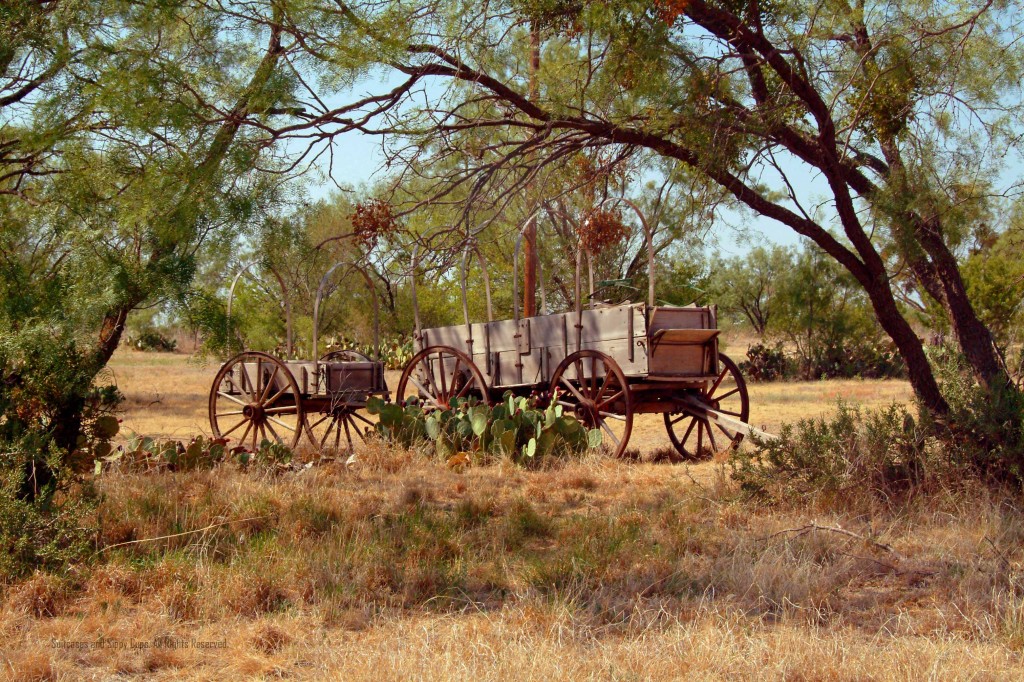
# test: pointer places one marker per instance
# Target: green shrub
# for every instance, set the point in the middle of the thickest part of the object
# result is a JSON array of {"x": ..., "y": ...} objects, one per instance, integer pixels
[
  {"x": 853, "y": 455},
  {"x": 152, "y": 340},
  {"x": 50, "y": 528},
  {"x": 984, "y": 428},
  {"x": 766, "y": 363},
  {"x": 516, "y": 427}
]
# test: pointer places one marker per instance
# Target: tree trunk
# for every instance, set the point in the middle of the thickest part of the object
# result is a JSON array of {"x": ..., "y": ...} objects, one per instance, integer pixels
[{"x": 910, "y": 348}]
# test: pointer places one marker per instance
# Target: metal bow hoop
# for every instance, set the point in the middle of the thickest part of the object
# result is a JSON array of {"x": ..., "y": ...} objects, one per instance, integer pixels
[
  {"x": 284, "y": 297},
  {"x": 319, "y": 299},
  {"x": 521, "y": 233},
  {"x": 648, "y": 235},
  {"x": 472, "y": 246}
]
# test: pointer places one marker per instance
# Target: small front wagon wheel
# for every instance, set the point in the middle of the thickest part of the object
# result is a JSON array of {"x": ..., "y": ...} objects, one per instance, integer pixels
[
  {"x": 696, "y": 438},
  {"x": 254, "y": 397},
  {"x": 591, "y": 385}
]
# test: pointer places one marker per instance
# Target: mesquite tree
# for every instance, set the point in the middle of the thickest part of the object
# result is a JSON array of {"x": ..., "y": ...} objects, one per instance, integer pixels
[
  {"x": 127, "y": 142},
  {"x": 873, "y": 129}
]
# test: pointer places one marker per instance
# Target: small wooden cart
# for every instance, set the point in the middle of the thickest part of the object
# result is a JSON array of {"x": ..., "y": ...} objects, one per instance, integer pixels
[
  {"x": 257, "y": 396},
  {"x": 606, "y": 363}
]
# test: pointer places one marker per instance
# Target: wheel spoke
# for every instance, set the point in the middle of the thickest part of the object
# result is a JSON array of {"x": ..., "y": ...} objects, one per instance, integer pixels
[
  {"x": 281, "y": 423},
  {"x": 266, "y": 389},
  {"x": 444, "y": 386},
  {"x": 241, "y": 441},
  {"x": 276, "y": 437},
  {"x": 714, "y": 386},
  {"x": 427, "y": 368},
  {"x": 287, "y": 409},
  {"x": 278, "y": 395},
  {"x": 465, "y": 388},
  {"x": 359, "y": 416},
  {"x": 229, "y": 414},
  {"x": 728, "y": 435},
  {"x": 348, "y": 436},
  {"x": 426, "y": 393},
  {"x": 612, "y": 415},
  {"x": 610, "y": 400},
  {"x": 320, "y": 421},
  {"x": 231, "y": 398},
  {"x": 700, "y": 436},
  {"x": 711, "y": 436},
  {"x": 327, "y": 433},
  {"x": 609, "y": 430},
  {"x": 725, "y": 395},
  {"x": 568, "y": 385},
  {"x": 355, "y": 427},
  {"x": 259, "y": 375},
  {"x": 455, "y": 372},
  {"x": 233, "y": 428},
  {"x": 689, "y": 429},
  {"x": 735, "y": 414}
]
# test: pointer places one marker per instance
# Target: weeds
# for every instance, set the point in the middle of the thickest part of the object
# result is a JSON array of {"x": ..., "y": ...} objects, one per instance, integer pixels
[{"x": 850, "y": 457}]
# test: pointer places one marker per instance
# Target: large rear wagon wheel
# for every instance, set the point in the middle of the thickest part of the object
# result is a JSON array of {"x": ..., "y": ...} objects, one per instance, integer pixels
[
  {"x": 592, "y": 386},
  {"x": 254, "y": 397},
  {"x": 440, "y": 374},
  {"x": 697, "y": 438}
]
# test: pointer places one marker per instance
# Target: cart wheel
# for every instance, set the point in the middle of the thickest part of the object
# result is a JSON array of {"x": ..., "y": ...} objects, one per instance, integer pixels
[
  {"x": 344, "y": 356},
  {"x": 694, "y": 437},
  {"x": 255, "y": 397},
  {"x": 601, "y": 400},
  {"x": 438, "y": 374},
  {"x": 327, "y": 427}
]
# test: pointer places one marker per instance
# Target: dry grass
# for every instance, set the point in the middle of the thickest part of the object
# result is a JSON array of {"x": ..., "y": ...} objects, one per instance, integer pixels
[{"x": 401, "y": 568}]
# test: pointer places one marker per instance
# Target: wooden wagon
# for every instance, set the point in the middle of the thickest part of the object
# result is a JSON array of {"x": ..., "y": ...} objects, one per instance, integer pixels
[
  {"x": 605, "y": 363},
  {"x": 257, "y": 396}
]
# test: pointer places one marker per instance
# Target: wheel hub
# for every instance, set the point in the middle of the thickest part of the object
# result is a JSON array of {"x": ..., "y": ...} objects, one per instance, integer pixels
[{"x": 255, "y": 413}]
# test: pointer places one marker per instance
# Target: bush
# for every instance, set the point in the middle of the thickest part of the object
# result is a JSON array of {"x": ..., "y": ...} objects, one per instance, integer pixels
[
  {"x": 866, "y": 358},
  {"x": 153, "y": 341},
  {"x": 50, "y": 528},
  {"x": 766, "y": 363},
  {"x": 855, "y": 454},
  {"x": 985, "y": 428}
]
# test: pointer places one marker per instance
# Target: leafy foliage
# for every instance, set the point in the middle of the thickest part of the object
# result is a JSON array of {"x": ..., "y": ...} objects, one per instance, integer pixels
[
  {"x": 765, "y": 363},
  {"x": 851, "y": 457}
]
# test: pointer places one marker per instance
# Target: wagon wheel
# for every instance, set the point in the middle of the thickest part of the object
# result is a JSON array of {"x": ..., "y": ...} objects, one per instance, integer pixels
[
  {"x": 255, "y": 397},
  {"x": 439, "y": 374},
  {"x": 695, "y": 437},
  {"x": 348, "y": 355},
  {"x": 598, "y": 401},
  {"x": 327, "y": 426}
]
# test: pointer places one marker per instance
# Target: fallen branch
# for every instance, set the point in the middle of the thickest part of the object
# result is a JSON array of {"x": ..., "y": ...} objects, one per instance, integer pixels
[
  {"x": 815, "y": 526},
  {"x": 178, "y": 535}
]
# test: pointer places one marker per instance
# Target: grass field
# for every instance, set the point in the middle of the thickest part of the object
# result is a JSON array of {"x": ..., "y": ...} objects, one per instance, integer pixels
[{"x": 399, "y": 568}]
